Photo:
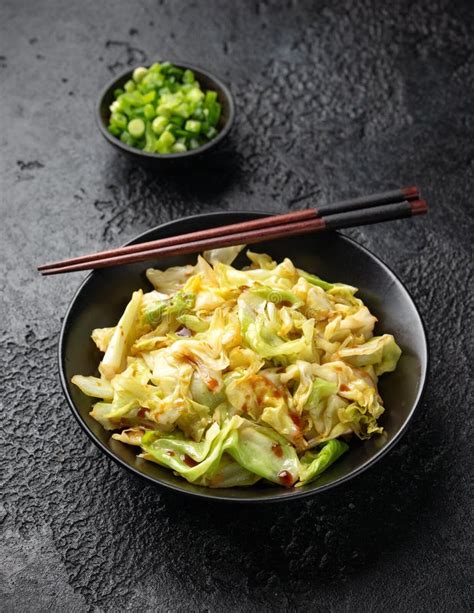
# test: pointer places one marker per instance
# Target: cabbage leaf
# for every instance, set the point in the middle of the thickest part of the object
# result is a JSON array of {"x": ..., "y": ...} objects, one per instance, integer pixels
[
  {"x": 314, "y": 463},
  {"x": 229, "y": 376}
]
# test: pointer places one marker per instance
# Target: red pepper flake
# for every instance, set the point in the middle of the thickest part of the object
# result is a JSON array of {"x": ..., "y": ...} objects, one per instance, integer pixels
[
  {"x": 344, "y": 388},
  {"x": 141, "y": 413},
  {"x": 189, "y": 461},
  {"x": 286, "y": 478},
  {"x": 277, "y": 450},
  {"x": 170, "y": 453}
]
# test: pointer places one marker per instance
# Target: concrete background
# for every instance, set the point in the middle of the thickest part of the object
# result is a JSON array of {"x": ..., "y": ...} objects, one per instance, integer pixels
[{"x": 333, "y": 99}]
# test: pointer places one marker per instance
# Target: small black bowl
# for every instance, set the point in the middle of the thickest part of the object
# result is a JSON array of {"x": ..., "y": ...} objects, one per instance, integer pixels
[
  {"x": 157, "y": 160},
  {"x": 101, "y": 298}
]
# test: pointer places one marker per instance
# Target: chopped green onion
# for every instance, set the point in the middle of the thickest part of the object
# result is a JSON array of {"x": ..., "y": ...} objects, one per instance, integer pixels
[
  {"x": 150, "y": 139},
  {"x": 188, "y": 76},
  {"x": 119, "y": 120},
  {"x": 139, "y": 73},
  {"x": 183, "y": 110},
  {"x": 211, "y": 133},
  {"x": 115, "y": 106},
  {"x": 126, "y": 138},
  {"x": 193, "y": 126},
  {"x": 165, "y": 142},
  {"x": 149, "y": 111},
  {"x": 149, "y": 97},
  {"x": 136, "y": 127},
  {"x": 180, "y": 132},
  {"x": 179, "y": 148},
  {"x": 114, "y": 129},
  {"x": 177, "y": 121},
  {"x": 159, "y": 124},
  {"x": 132, "y": 99},
  {"x": 199, "y": 114},
  {"x": 195, "y": 95},
  {"x": 210, "y": 98},
  {"x": 140, "y": 112},
  {"x": 214, "y": 113},
  {"x": 163, "y": 109}
]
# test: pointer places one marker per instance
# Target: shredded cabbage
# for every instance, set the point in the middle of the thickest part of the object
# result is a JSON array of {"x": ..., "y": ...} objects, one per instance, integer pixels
[{"x": 229, "y": 376}]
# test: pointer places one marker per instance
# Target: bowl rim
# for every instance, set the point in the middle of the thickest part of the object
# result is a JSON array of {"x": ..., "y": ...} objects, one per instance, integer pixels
[
  {"x": 168, "y": 156},
  {"x": 207, "y": 493}
]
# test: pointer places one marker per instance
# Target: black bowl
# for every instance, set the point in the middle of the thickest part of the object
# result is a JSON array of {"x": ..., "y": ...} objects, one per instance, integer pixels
[
  {"x": 157, "y": 160},
  {"x": 101, "y": 298}
]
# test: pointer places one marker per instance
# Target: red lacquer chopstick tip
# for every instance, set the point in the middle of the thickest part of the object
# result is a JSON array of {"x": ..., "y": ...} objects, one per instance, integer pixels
[
  {"x": 410, "y": 193},
  {"x": 419, "y": 207}
]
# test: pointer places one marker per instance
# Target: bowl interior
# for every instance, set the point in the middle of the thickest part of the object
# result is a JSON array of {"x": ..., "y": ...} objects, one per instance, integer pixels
[
  {"x": 102, "y": 297},
  {"x": 206, "y": 80}
]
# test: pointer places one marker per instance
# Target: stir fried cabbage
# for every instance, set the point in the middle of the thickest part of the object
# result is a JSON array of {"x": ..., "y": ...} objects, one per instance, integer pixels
[{"x": 229, "y": 376}]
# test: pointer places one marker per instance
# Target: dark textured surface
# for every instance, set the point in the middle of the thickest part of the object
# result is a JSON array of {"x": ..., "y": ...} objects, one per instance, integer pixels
[{"x": 332, "y": 99}]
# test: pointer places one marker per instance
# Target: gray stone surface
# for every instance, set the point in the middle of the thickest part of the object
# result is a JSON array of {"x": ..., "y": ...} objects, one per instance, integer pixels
[{"x": 333, "y": 99}]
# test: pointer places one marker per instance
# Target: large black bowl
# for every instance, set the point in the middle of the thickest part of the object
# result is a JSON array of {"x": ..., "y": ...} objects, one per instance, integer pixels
[
  {"x": 102, "y": 297},
  {"x": 170, "y": 160}
]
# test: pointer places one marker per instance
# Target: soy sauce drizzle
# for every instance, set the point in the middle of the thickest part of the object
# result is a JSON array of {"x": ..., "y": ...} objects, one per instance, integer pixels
[
  {"x": 286, "y": 478},
  {"x": 189, "y": 461},
  {"x": 277, "y": 450}
]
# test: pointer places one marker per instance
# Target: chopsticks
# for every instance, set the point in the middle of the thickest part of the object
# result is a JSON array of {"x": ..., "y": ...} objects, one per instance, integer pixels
[{"x": 375, "y": 208}]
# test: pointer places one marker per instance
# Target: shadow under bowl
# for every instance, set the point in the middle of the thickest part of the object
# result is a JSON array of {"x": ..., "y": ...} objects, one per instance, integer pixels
[
  {"x": 100, "y": 300},
  {"x": 207, "y": 81}
]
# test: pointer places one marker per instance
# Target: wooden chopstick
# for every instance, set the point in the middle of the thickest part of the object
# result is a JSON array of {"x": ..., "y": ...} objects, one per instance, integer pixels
[
  {"x": 336, "y": 221},
  {"x": 398, "y": 195}
]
